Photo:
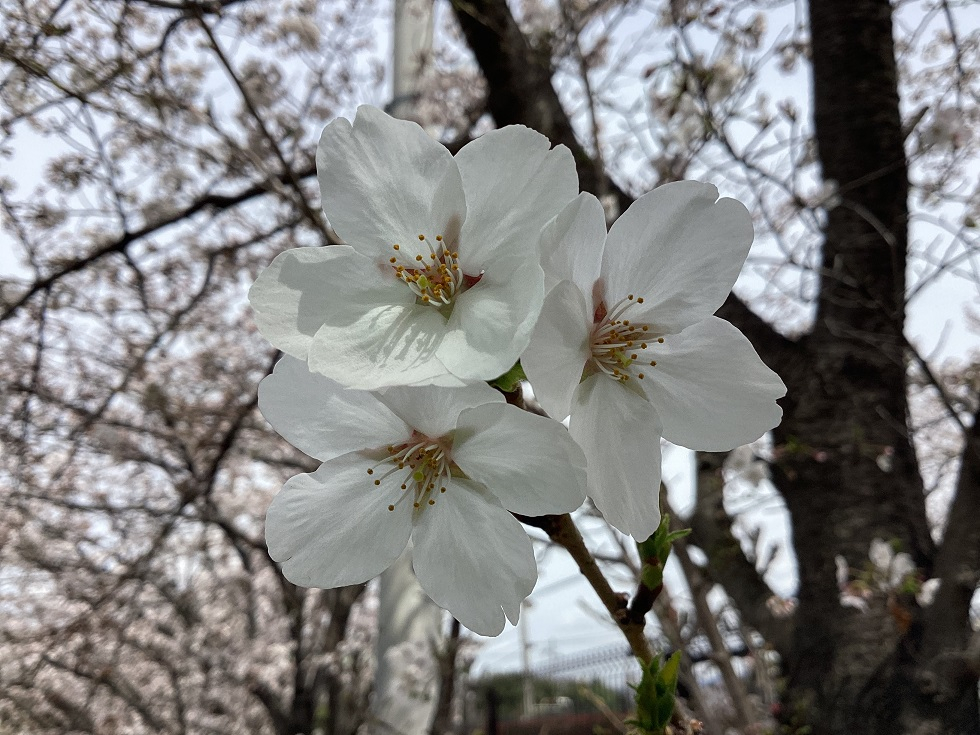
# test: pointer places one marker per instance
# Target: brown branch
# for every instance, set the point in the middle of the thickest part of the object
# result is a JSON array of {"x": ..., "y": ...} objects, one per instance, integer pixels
[
  {"x": 711, "y": 531},
  {"x": 519, "y": 85},
  {"x": 520, "y": 92},
  {"x": 288, "y": 174},
  {"x": 562, "y": 530},
  {"x": 947, "y": 620},
  {"x": 206, "y": 202},
  {"x": 706, "y": 620}
]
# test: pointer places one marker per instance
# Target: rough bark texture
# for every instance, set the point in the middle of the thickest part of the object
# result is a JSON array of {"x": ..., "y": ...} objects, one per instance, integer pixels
[
  {"x": 851, "y": 670},
  {"x": 899, "y": 669}
]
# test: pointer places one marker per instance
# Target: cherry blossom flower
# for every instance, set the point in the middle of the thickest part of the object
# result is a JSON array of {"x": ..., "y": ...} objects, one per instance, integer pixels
[
  {"x": 852, "y": 593},
  {"x": 440, "y": 282},
  {"x": 627, "y": 344},
  {"x": 890, "y": 569},
  {"x": 442, "y": 466}
]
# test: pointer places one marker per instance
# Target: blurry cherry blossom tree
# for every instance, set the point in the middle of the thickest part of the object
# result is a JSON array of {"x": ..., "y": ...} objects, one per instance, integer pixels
[{"x": 156, "y": 154}]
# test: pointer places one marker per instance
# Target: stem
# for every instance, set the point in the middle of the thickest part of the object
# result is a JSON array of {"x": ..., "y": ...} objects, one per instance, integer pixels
[{"x": 562, "y": 530}]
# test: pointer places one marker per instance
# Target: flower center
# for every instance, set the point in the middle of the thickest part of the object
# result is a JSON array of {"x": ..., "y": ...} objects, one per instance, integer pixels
[
  {"x": 425, "y": 469},
  {"x": 618, "y": 344},
  {"x": 434, "y": 276}
]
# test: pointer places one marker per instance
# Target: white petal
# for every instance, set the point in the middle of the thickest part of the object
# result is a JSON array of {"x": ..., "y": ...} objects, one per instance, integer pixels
[
  {"x": 528, "y": 462},
  {"x": 843, "y": 571},
  {"x": 679, "y": 249},
  {"x": 333, "y": 527},
  {"x": 881, "y": 554},
  {"x": 619, "y": 432},
  {"x": 473, "y": 558},
  {"x": 848, "y": 599},
  {"x": 491, "y": 322},
  {"x": 572, "y": 243},
  {"x": 559, "y": 348},
  {"x": 288, "y": 299},
  {"x": 384, "y": 181},
  {"x": 514, "y": 184},
  {"x": 902, "y": 567},
  {"x": 711, "y": 389},
  {"x": 374, "y": 334},
  {"x": 320, "y": 417},
  {"x": 927, "y": 594},
  {"x": 434, "y": 411}
]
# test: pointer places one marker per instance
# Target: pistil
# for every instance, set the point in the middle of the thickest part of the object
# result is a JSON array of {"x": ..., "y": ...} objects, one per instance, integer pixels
[
  {"x": 434, "y": 276},
  {"x": 425, "y": 469},
  {"x": 618, "y": 343}
]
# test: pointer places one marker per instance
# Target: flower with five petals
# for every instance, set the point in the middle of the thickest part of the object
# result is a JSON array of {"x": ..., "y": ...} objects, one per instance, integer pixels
[
  {"x": 442, "y": 466},
  {"x": 627, "y": 344},
  {"x": 440, "y": 282}
]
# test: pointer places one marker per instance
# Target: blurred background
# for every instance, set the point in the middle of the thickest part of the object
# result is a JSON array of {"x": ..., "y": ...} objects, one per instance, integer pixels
[{"x": 155, "y": 155}]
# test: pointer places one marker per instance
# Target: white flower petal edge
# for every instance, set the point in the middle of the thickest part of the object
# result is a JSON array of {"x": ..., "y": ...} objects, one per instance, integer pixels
[
  {"x": 514, "y": 182},
  {"x": 384, "y": 180},
  {"x": 287, "y": 300},
  {"x": 491, "y": 323},
  {"x": 711, "y": 389},
  {"x": 530, "y": 462},
  {"x": 682, "y": 248},
  {"x": 375, "y": 333},
  {"x": 572, "y": 244},
  {"x": 328, "y": 529},
  {"x": 435, "y": 411},
  {"x": 619, "y": 432},
  {"x": 320, "y": 417},
  {"x": 473, "y": 558},
  {"x": 559, "y": 349}
]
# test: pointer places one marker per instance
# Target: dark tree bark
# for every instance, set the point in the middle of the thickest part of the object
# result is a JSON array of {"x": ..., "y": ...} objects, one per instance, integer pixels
[
  {"x": 899, "y": 669},
  {"x": 847, "y": 669}
]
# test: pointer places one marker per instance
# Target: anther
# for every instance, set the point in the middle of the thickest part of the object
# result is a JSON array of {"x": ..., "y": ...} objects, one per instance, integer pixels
[
  {"x": 392, "y": 259},
  {"x": 377, "y": 482},
  {"x": 370, "y": 472},
  {"x": 391, "y": 507},
  {"x": 395, "y": 247},
  {"x": 639, "y": 300},
  {"x": 431, "y": 501},
  {"x": 438, "y": 238},
  {"x": 421, "y": 238},
  {"x": 653, "y": 363},
  {"x": 640, "y": 376},
  {"x": 660, "y": 340}
]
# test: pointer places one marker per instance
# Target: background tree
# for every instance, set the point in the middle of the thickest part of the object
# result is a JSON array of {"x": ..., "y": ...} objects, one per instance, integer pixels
[{"x": 156, "y": 154}]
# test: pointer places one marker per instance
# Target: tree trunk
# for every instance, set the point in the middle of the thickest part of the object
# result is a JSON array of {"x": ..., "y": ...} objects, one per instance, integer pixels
[
  {"x": 847, "y": 467},
  {"x": 845, "y": 462}
]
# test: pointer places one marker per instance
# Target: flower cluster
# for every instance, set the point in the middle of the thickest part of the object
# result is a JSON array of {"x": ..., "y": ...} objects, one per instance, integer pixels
[
  {"x": 889, "y": 574},
  {"x": 454, "y": 269}
]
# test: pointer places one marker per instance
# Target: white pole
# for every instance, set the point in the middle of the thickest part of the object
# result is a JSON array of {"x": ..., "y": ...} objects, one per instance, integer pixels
[
  {"x": 410, "y": 631},
  {"x": 527, "y": 689},
  {"x": 411, "y": 53},
  {"x": 410, "y": 625}
]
